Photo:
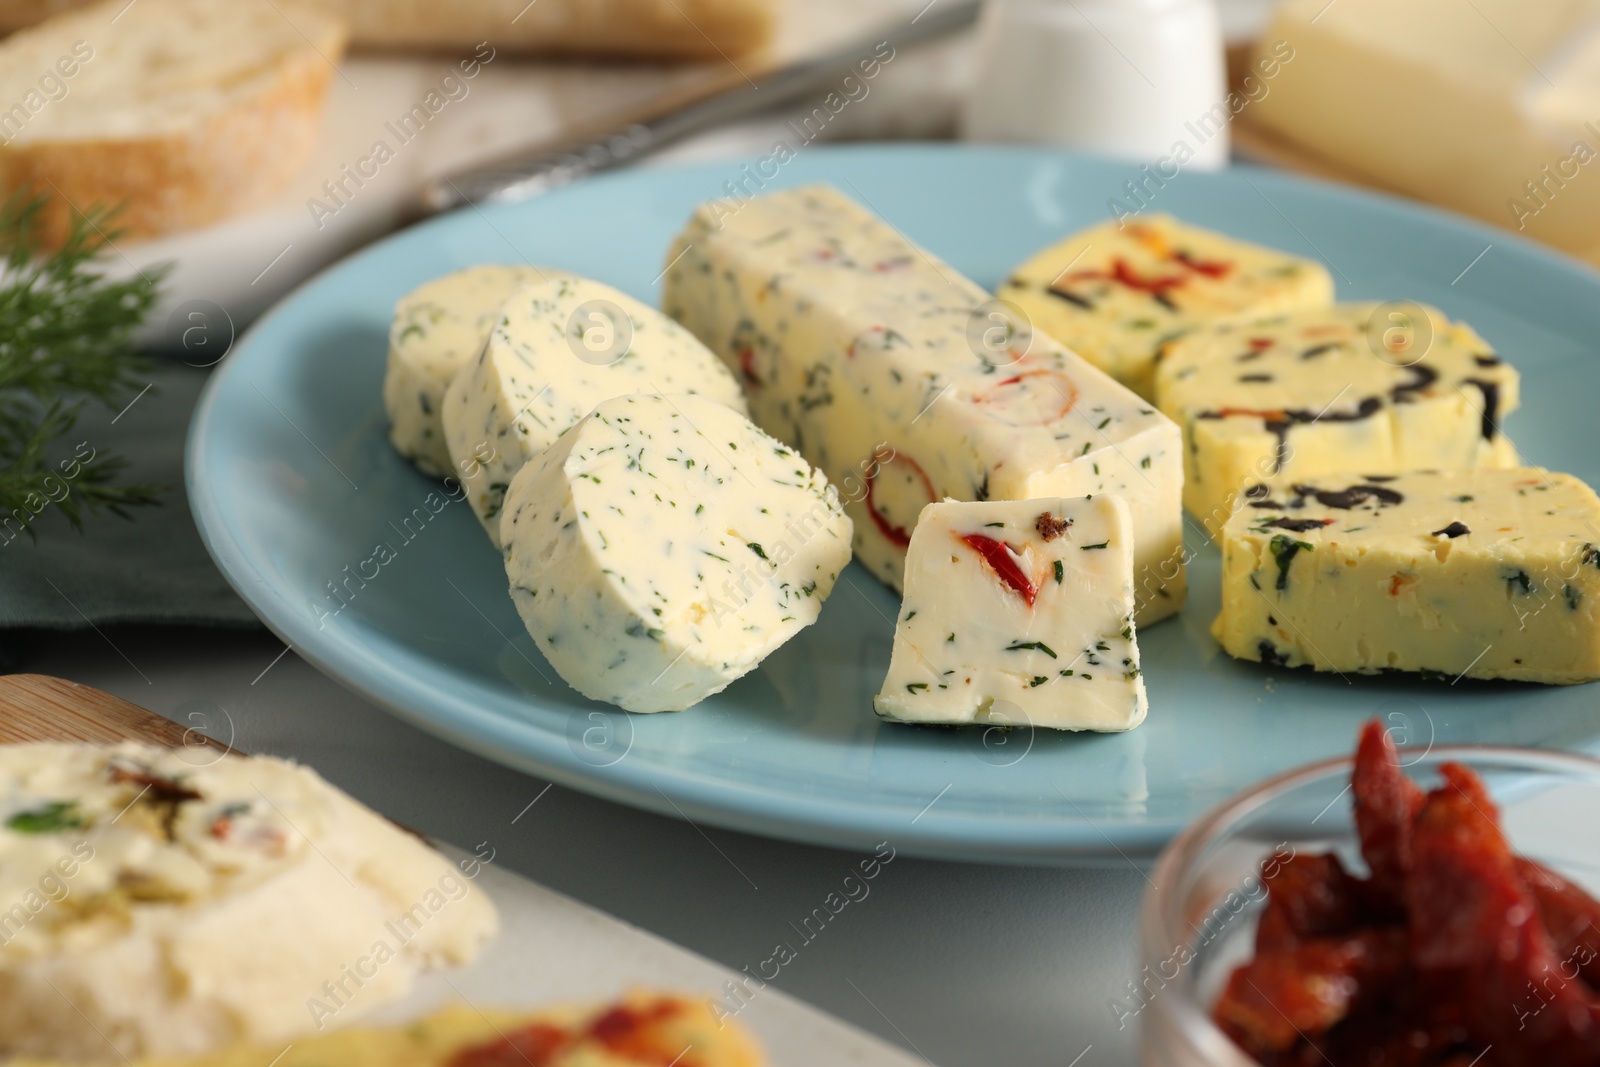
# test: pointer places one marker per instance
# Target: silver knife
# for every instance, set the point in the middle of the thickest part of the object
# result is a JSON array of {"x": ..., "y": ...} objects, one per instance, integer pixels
[{"x": 533, "y": 171}]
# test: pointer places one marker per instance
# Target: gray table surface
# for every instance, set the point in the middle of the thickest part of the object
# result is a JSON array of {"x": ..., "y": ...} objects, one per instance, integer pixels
[{"x": 966, "y": 965}]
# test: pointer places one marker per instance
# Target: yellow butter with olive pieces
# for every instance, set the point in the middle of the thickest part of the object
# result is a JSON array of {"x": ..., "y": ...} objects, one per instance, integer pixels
[
  {"x": 1377, "y": 388},
  {"x": 1481, "y": 573}
]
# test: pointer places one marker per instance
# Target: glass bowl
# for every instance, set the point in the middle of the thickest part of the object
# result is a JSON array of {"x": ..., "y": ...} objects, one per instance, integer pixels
[{"x": 1198, "y": 920}]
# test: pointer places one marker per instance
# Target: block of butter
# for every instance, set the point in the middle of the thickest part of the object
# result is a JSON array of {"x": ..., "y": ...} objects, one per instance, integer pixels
[
  {"x": 1117, "y": 292},
  {"x": 1482, "y": 573},
  {"x": 1490, "y": 107},
  {"x": 908, "y": 383},
  {"x": 1018, "y": 612},
  {"x": 1379, "y": 388}
]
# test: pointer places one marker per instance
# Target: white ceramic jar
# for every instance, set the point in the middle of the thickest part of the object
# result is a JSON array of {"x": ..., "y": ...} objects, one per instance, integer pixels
[{"x": 1126, "y": 78}]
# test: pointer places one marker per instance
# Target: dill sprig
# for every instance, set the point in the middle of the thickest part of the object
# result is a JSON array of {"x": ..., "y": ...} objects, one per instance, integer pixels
[{"x": 65, "y": 339}]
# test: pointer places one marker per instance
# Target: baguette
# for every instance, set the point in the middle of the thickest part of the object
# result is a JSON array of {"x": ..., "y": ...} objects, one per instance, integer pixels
[
  {"x": 181, "y": 111},
  {"x": 664, "y": 29}
]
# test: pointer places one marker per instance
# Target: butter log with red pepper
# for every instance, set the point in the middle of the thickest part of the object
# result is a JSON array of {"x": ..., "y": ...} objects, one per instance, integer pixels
[
  {"x": 907, "y": 383},
  {"x": 1118, "y": 292},
  {"x": 1018, "y": 612}
]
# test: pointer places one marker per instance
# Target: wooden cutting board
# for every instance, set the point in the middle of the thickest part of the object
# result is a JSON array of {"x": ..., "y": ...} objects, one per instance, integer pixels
[
  {"x": 37, "y": 707},
  {"x": 551, "y": 948}
]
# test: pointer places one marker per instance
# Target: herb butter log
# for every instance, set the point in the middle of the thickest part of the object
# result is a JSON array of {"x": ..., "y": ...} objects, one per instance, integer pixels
[
  {"x": 1118, "y": 292},
  {"x": 1382, "y": 388},
  {"x": 438, "y": 329},
  {"x": 665, "y": 546},
  {"x": 560, "y": 348},
  {"x": 1018, "y": 611},
  {"x": 1486, "y": 573},
  {"x": 895, "y": 375}
]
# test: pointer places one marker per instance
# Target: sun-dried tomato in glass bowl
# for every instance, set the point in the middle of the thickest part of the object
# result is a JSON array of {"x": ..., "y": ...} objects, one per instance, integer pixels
[{"x": 1381, "y": 913}]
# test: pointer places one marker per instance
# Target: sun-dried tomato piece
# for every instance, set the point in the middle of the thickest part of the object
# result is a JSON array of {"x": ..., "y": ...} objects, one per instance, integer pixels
[
  {"x": 1210, "y": 268},
  {"x": 1386, "y": 802},
  {"x": 1398, "y": 1037},
  {"x": 1280, "y": 998},
  {"x": 1307, "y": 896},
  {"x": 1477, "y": 939},
  {"x": 1455, "y": 953},
  {"x": 1005, "y": 563},
  {"x": 637, "y": 1030},
  {"x": 534, "y": 1045},
  {"x": 162, "y": 790},
  {"x": 1571, "y": 918}
]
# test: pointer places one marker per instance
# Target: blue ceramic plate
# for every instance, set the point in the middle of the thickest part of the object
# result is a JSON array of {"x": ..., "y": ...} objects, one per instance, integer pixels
[{"x": 297, "y": 493}]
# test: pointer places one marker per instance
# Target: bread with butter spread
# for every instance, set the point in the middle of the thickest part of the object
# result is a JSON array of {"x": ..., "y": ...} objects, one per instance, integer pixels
[{"x": 159, "y": 902}]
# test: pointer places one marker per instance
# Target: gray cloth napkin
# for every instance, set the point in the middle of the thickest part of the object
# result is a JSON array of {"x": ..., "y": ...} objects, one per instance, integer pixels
[{"x": 150, "y": 569}]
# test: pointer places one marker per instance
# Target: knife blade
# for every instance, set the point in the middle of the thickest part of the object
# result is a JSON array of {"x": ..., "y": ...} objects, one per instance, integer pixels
[{"x": 628, "y": 138}]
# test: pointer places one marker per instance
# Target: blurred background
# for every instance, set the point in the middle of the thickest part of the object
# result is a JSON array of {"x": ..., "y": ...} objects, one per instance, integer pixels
[{"x": 1486, "y": 107}]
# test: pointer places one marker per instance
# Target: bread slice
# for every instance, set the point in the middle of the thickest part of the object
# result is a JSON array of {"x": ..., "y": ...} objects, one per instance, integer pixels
[
  {"x": 181, "y": 111},
  {"x": 686, "y": 29},
  {"x": 677, "y": 29}
]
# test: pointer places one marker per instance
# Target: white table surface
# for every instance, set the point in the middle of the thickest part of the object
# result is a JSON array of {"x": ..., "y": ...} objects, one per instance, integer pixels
[{"x": 965, "y": 965}]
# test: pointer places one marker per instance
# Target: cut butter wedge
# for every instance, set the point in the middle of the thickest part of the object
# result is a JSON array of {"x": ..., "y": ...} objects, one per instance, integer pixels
[
  {"x": 560, "y": 348},
  {"x": 438, "y": 328},
  {"x": 1117, "y": 292},
  {"x": 664, "y": 546},
  {"x": 1018, "y": 612},
  {"x": 1476, "y": 573},
  {"x": 1375, "y": 388}
]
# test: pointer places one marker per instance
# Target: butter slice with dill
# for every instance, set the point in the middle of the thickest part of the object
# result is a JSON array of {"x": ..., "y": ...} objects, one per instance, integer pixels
[
  {"x": 438, "y": 328},
  {"x": 560, "y": 348},
  {"x": 665, "y": 546}
]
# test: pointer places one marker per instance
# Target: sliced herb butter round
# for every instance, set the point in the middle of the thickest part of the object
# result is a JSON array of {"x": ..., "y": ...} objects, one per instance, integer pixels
[
  {"x": 560, "y": 348},
  {"x": 665, "y": 546},
  {"x": 173, "y": 902},
  {"x": 437, "y": 329}
]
